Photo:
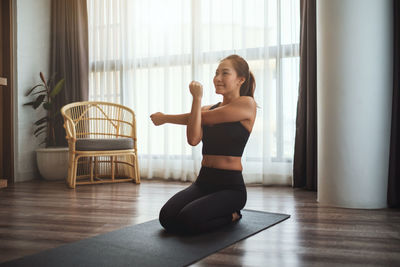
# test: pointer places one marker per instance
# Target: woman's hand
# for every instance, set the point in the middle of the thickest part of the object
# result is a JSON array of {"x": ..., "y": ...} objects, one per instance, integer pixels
[
  {"x": 158, "y": 118},
  {"x": 196, "y": 89}
]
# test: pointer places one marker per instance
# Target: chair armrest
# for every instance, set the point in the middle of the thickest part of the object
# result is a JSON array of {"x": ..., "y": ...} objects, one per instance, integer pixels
[{"x": 69, "y": 128}]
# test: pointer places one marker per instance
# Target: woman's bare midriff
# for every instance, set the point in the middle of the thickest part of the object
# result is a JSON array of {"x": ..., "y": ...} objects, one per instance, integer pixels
[{"x": 222, "y": 162}]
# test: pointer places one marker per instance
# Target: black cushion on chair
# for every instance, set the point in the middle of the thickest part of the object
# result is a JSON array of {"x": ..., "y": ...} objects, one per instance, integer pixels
[{"x": 89, "y": 144}]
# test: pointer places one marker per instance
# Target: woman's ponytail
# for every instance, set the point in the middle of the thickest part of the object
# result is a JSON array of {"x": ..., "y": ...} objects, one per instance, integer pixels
[{"x": 249, "y": 85}]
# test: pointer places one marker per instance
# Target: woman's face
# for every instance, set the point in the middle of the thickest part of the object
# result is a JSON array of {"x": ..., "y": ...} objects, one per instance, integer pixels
[{"x": 226, "y": 80}]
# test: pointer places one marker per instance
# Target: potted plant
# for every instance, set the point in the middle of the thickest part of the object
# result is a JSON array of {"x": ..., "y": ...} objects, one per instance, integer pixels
[{"x": 52, "y": 161}]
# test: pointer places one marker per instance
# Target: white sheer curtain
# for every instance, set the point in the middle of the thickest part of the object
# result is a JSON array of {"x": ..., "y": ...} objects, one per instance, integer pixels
[{"x": 144, "y": 53}]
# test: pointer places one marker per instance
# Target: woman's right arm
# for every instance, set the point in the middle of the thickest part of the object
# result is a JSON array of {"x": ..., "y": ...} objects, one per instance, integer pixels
[
  {"x": 161, "y": 118},
  {"x": 182, "y": 119}
]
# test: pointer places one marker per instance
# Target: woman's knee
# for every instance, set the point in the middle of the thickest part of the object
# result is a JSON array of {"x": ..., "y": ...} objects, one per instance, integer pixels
[
  {"x": 169, "y": 212},
  {"x": 186, "y": 216},
  {"x": 166, "y": 216},
  {"x": 189, "y": 220}
]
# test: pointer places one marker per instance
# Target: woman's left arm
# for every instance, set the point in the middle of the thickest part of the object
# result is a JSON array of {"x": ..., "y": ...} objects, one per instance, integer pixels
[
  {"x": 243, "y": 108},
  {"x": 194, "y": 132}
]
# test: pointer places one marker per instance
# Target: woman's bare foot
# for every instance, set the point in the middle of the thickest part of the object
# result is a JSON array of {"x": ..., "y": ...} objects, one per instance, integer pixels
[{"x": 235, "y": 216}]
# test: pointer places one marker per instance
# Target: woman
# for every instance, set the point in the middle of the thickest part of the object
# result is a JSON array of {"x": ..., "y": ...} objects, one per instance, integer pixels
[{"x": 219, "y": 193}]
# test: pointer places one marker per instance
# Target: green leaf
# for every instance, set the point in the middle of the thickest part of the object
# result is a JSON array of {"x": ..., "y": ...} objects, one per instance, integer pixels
[
  {"x": 33, "y": 88},
  {"x": 42, "y": 120},
  {"x": 29, "y": 103},
  {"x": 39, "y": 133},
  {"x": 38, "y": 101},
  {"x": 57, "y": 88},
  {"x": 43, "y": 91},
  {"x": 47, "y": 105},
  {"x": 38, "y": 129}
]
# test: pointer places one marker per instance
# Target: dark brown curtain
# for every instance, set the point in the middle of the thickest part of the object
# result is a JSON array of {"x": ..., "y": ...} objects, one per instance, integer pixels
[
  {"x": 305, "y": 150},
  {"x": 394, "y": 160},
  {"x": 70, "y": 54}
]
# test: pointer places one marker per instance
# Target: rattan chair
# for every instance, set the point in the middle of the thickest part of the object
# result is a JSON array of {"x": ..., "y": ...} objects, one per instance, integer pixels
[{"x": 102, "y": 143}]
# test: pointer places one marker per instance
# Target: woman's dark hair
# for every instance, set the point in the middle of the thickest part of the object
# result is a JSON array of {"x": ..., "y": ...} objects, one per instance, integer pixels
[{"x": 242, "y": 69}]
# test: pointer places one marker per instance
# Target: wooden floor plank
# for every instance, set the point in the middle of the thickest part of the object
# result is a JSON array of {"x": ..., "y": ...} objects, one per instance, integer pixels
[{"x": 39, "y": 215}]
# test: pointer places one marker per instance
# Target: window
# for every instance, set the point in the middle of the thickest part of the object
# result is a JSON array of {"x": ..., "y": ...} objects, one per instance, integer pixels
[{"x": 144, "y": 53}]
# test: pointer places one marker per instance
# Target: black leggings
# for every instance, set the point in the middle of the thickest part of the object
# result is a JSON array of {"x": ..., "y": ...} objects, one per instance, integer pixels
[{"x": 207, "y": 204}]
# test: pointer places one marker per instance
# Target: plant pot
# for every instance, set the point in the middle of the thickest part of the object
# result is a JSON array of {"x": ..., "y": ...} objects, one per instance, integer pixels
[{"x": 52, "y": 162}]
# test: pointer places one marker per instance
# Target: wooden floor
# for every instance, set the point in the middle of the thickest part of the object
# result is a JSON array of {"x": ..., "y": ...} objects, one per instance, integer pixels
[{"x": 39, "y": 215}]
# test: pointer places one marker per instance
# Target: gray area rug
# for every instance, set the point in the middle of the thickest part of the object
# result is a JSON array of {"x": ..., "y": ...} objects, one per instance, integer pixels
[{"x": 148, "y": 244}]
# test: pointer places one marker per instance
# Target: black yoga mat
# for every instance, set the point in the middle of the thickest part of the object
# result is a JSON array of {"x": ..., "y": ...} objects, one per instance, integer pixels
[{"x": 148, "y": 244}]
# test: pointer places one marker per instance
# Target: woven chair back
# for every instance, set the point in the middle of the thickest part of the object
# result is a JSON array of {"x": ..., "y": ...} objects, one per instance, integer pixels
[{"x": 99, "y": 120}]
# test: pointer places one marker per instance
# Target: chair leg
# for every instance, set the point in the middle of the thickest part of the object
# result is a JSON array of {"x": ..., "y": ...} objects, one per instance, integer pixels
[
  {"x": 73, "y": 181},
  {"x": 131, "y": 169},
  {"x": 137, "y": 174},
  {"x": 112, "y": 168},
  {"x": 70, "y": 168},
  {"x": 91, "y": 168},
  {"x": 96, "y": 171},
  {"x": 117, "y": 166},
  {"x": 127, "y": 168}
]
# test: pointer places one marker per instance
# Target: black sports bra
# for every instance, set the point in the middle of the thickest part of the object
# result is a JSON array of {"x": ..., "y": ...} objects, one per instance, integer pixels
[{"x": 226, "y": 139}]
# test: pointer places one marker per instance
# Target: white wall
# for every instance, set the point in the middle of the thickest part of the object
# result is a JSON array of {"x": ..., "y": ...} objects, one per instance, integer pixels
[
  {"x": 354, "y": 81},
  {"x": 32, "y": 55}
]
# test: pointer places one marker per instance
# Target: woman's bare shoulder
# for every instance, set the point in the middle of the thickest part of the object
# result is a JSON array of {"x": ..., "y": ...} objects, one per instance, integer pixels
[{"x": 245, "y": 102}]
